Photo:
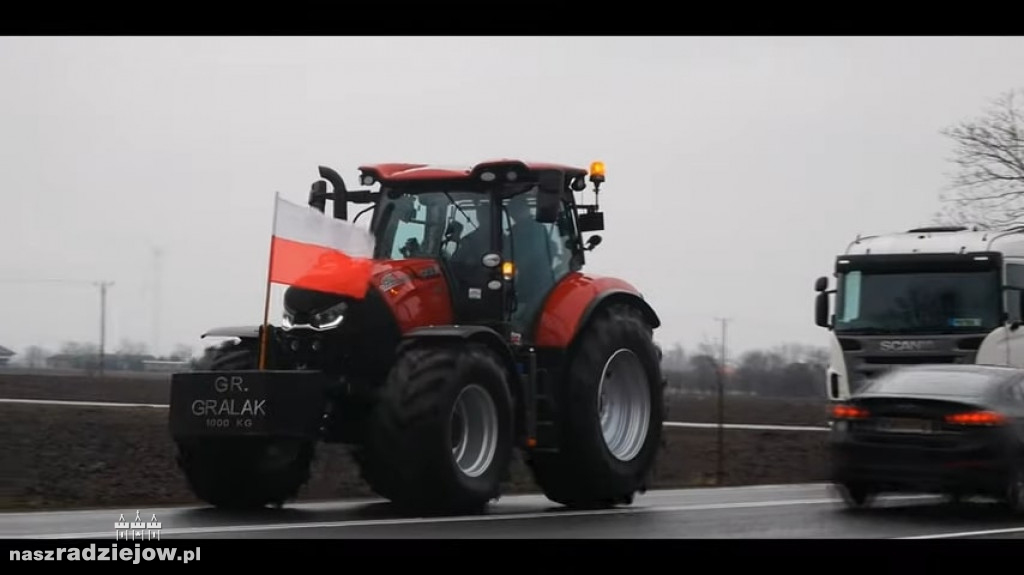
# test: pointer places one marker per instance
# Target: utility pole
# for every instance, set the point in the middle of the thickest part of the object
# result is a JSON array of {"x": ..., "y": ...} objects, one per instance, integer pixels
[
  {"x": 720, "y": 471},
  {"x": 103, "y": 285},
  {"x": 157, "y": 253}
]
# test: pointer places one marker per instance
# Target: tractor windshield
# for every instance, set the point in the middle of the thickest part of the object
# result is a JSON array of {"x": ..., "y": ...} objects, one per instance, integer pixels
[{"x": 430, "y": 224}]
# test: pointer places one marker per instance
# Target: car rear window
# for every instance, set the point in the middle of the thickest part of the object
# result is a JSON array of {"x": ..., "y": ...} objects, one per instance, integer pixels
[{"x": 937, "y": 382}]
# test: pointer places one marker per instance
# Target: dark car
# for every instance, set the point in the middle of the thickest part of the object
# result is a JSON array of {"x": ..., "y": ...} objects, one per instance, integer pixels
[{"x": 947, "y": 429}]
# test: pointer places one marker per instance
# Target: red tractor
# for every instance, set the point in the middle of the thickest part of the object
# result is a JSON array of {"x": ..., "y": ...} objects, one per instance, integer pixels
[{"x": 479, "y": 334}]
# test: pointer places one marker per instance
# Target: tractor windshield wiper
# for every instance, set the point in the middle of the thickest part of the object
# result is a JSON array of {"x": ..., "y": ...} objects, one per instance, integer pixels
[{"x": 458, "y": 207}]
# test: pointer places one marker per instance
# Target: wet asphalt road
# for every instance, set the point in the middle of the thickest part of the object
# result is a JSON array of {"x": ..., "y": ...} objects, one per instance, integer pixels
[{"x": 775, "y": 512}]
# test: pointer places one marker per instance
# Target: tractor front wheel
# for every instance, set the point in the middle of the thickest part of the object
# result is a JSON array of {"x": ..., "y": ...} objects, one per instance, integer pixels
[
  {"x": 440, "y": 437},
  {"x": 610, "y": 410},
  {"x": 245, "y": 473}
]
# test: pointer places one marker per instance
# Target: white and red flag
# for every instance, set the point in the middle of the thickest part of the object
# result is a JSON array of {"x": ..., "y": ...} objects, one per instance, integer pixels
[{"x": 314, "y": 251}]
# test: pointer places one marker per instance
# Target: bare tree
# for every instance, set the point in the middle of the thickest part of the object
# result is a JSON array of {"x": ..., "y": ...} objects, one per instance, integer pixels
[
  {"x": 35, "y": 356},
  {"x": 131, "y": 347},
  {"x": 988, "y": 186},
  {"x": 79, "y": 349},
  {"x": 181, "y": 352}
]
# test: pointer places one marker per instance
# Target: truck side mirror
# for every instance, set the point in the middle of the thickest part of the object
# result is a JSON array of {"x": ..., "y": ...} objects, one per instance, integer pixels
[
  {"x": 549, "y": 197},
  {"x": 1016, "y": 308},
  {"x": 821, "y": 309},
  {"x": 821, "y": 284}
]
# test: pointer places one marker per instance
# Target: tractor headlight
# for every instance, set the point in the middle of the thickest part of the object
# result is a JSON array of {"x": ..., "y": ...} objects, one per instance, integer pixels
[
  {"x": 330, "y": 317},
  {"x": 324, "y": 320}
]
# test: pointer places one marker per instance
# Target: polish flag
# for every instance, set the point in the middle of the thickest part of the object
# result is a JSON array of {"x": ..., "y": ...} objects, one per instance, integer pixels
[{"x": 315, "y": 251}]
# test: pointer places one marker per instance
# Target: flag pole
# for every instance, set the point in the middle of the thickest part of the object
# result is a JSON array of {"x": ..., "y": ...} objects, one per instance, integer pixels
[{"x": 265, "y": 332}]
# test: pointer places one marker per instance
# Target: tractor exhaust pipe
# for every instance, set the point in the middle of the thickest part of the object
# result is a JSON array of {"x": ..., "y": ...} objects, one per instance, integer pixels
[
  {"x": 340, "y": 194},
  {"x": 318, "y": 195}
]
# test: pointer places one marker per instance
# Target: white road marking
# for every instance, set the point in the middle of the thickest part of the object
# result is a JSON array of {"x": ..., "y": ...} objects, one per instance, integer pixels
[
  {"x": 967, "y": 534},
  {"x": 744, "y": 426},
  {"x": 460, "y": 519},
  {"x": 81, "y": 403},
  {"x": 748, "y": 426},
  {"x": 335, "y": 504}
]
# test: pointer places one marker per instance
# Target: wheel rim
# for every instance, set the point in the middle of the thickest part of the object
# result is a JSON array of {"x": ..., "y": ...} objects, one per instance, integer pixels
[
  {"x": 474, "y": 425},
  {"x": 624, "y": 404}
]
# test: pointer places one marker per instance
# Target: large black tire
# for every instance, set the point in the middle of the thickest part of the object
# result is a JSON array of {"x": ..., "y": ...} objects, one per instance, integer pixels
[
  {"x": 408, "y": 456},
  {"x": 586, "y": 472},
  {"x": 1013, "y": 498},
  {"x": 856, "y": 495},
  {"x": 243, "y": 473}
]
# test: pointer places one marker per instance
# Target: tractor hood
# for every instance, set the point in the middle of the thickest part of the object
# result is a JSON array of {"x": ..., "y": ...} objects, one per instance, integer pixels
[
  {"x": 395, "y": 278},
  {"x": 399, "y": 282}
]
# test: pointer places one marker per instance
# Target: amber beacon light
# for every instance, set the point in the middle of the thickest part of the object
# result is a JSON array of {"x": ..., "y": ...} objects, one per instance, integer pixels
[{"x": 597, "y": 172}]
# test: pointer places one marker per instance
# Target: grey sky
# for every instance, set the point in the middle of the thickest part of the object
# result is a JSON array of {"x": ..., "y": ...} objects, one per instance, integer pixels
[{"x": 737, "y": 167}]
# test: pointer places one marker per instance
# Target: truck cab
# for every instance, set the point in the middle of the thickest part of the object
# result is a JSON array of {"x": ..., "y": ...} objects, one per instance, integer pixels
[{"x": 934, "y": 295}]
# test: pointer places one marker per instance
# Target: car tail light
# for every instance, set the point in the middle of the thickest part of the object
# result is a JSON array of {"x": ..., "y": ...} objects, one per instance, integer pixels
[
  {"x": 846, "y": 411},
  {"x": 979, "y": 418}
]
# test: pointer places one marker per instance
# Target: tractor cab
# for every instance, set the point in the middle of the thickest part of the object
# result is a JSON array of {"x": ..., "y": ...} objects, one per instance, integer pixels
[{"x": 501, "y": 233}]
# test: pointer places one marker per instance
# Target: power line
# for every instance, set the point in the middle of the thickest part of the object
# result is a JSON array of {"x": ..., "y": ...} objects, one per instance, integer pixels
[{"x": 46, "y": 280}]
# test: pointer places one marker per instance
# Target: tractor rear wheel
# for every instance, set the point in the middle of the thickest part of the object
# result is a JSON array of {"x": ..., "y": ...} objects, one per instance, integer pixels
[
  {"x": 243, "y": 472},
  {"x": 439, "y": 439},
  {"x": 609, "y": 410}
]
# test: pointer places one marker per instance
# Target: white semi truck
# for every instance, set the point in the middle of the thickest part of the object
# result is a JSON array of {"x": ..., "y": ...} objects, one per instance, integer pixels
[{"x": 929, "y": 295}]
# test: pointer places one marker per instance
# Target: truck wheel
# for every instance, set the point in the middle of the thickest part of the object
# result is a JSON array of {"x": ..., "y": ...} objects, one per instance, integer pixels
[
  {"x": 243, "y": 473},
  {"x": 439, "y": 439},
  {"x": 610, "y": 411},
  {"x": 856, "y": 495}
]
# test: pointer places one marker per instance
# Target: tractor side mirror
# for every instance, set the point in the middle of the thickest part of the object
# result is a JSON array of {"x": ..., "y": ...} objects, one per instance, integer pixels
[
  {"x": 591, "y": 222},
  {"x": 549, "y": 197},
  {"x": 592, "y": 243},
  {"x": 821, "y": 284},
  {"x": 318, "y": 195}
]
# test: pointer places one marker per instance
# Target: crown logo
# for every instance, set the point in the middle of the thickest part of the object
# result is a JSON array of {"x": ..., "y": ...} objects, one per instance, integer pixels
[{"x": 138, "y": 523}]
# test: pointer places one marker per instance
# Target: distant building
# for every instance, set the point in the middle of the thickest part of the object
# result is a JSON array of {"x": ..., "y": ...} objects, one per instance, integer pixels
[
  {"x": 5, "y": 355},
  {"x": 166, "y": 366},
  {"x": 111, "y": 362}
]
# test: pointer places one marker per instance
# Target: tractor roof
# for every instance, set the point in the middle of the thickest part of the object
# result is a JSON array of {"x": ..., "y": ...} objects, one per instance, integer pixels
[{"x": 401, "y": 172}]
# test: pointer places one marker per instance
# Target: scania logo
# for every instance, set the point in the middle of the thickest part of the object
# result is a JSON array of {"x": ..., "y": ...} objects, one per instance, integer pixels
[{"x": 906, "y": 345}]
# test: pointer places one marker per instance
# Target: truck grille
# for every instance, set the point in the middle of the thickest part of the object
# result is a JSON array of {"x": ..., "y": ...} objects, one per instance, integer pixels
[{"x": 874, "y": 361}]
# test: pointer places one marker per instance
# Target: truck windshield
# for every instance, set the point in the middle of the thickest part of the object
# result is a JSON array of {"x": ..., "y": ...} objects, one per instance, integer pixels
[{"x": 919, "y": 302}]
